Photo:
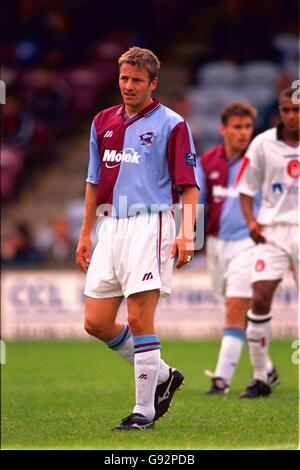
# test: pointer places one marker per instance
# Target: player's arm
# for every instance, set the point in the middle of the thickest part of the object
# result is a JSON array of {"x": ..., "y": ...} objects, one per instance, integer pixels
[
  {"x": 246, "y": 202},
  {"x": 249, "y": 182},
  {"x": 184, "y": 242},
  {"x": 83, "y": 252},
  {"x": 202, "y": 196},
  {"x": 184, "y": 172}
]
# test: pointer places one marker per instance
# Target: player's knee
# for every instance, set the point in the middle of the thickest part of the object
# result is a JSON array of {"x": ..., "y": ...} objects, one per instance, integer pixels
[
  {"x": 236, "y": 312},
  {"x": 136, "y": 324},
  {"x": 235, "y": 320},
  {"x": 94, "y": 329},
  {"x": 260, "y": 302},
  {"x": 89, "y": 328}
]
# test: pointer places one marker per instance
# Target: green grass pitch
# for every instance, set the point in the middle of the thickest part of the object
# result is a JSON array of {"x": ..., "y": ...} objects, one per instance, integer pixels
[{"x": 68, "y": 395}]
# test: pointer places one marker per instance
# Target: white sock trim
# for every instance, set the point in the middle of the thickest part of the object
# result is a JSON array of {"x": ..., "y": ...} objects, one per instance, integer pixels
[{"x": 258, "y": 318}]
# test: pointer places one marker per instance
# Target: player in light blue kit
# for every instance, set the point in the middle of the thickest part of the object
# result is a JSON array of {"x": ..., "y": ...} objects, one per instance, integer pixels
[{"x": 141, "y": 156}]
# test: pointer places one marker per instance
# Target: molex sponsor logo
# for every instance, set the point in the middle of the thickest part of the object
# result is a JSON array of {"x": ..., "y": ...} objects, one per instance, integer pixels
[
  {"x": 222, "y": 192},
  {"x": 112, "y": 158}
]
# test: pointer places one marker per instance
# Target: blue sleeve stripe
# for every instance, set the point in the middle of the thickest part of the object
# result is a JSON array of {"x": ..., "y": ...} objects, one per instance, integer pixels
[{"x": 95, "y": 161}]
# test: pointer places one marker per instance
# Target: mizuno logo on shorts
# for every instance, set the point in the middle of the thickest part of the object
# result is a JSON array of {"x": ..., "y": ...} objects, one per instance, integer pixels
[
  {"x": 147, "y": 276},
  {"x": 128, "y": 155}
]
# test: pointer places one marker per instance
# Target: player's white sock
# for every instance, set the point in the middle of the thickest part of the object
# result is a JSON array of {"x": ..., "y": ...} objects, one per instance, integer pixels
[
  {"x": 259, "y": 332},
  {"x": 270, "y": 365},
  {"x": 122, "y": 344},
  {"x": 163, "y": 373},
  {"x": 230, "y": 352},
  {"x": 146, "y": 366}
]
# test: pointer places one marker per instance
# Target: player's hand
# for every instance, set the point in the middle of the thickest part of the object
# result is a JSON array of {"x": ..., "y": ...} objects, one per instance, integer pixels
[
  {"x": 255, "y": 230},
  {"x": 83, "y": 253},
  {"x": 185, "y": 250}
]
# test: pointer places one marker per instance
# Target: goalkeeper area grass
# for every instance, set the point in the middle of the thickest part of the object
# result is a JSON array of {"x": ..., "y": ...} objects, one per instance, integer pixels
[{"x": 69, "y": 394}]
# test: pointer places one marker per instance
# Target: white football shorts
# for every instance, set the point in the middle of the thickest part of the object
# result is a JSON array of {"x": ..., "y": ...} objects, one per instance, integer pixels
[
  {"x": 229, "y": 263},
  {"x": 132, "y": 255},
  {"x": 279, "y": 254}
]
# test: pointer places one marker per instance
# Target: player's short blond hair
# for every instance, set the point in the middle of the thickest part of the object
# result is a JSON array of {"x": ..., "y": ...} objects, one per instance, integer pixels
[
  {"x": 237, "y": 108},
  {"x": 139, "y": 57}
]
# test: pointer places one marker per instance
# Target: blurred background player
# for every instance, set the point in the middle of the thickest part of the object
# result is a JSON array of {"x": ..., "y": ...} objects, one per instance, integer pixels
[
  {"x": 141, "y": 155},
  {"x": 271, "y": 166},
  {"x": 229, "y": 248}
]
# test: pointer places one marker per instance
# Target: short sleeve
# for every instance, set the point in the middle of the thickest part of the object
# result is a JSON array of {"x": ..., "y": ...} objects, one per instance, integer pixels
[
  {"x": 94, "y": 161},
  {"x": 182, "y": 159},
  {"x": 250, "y": 176}
]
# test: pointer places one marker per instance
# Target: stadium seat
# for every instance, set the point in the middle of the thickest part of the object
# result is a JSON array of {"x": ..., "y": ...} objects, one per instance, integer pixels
[
  {"x": 260, "y": 96},
  {"x": 218, "y": 74},
  {"x": 287, "y": 44},
  {"x": 260, "y": 74},
  {"x": 211, "y": 101}
]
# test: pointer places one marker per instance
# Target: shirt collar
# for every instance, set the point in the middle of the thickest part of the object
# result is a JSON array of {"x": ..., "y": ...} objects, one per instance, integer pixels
[
  {"x": 144, "y": 112},
  {"x": 231, "y": 161}
]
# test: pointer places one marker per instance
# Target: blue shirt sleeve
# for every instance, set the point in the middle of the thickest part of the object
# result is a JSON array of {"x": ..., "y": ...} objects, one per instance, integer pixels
[
  {"x": 202, "y": 184},
  {"x": 94, "y": 167}
]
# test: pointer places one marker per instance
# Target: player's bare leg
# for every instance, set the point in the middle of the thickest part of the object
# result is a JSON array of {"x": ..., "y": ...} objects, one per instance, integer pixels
[
  {"x": 100, "y": 322},
  {"x": 152, "y": 399},
  {"x": 100, "y": 317},
  {"x": 232, "y": 345},
  {"x": 263, "y": 292},
  {"x": 258, "y": 334},
  {"x": 141, "y": 309},
  {"x": 236, "y": 312}
]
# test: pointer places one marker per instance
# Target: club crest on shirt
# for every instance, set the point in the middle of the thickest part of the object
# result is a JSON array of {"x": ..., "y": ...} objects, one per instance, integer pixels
[
  {"x": 146, "y": 138},
  {"x": 190, "y": 159},
  {"x": 293, "y": 168}
]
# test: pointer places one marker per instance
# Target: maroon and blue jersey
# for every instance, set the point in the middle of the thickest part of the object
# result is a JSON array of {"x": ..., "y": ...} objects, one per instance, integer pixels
[
  {"x": 218, "y": 174},
  {"x": 141, "y": 162}
]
